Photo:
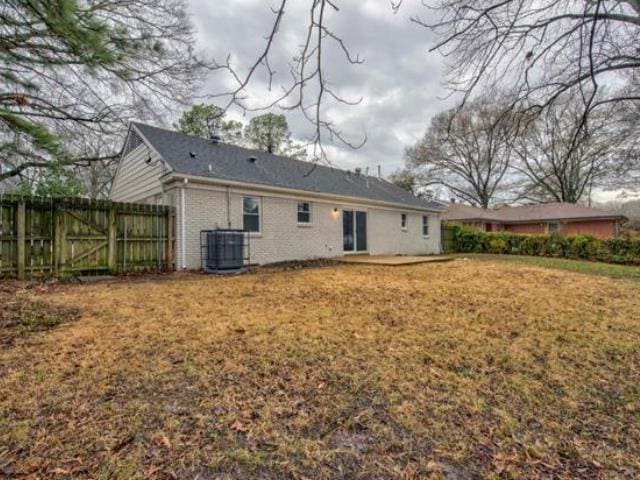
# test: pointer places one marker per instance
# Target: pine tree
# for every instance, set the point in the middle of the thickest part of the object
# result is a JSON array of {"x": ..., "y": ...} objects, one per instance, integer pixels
[
  {"x": 208, "y": 120},
  {"x": 73, "y": 73},
  {"x": 270, "y": 133}
]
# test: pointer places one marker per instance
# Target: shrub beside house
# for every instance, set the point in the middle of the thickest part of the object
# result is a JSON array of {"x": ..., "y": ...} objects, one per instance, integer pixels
[{"x": 585, "y": 247}]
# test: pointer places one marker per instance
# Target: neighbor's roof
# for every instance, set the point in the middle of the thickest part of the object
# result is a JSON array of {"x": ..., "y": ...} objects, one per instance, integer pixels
[
  {"x": 230, "y": 162},
  {"x": 528, "y": 213},
  {"x": 458, "y": 211}
]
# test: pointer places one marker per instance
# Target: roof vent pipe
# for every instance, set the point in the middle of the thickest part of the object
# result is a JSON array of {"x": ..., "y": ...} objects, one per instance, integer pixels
[{"x": 379, "y": 171}]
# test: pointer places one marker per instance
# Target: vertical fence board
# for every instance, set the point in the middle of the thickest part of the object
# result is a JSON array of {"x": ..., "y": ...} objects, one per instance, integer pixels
[
  {"x": 447, "y": 238},
  {"x": 8, "y": 237},
  {"x": 112, "y": 229},
  {"x": 59, "y": 241},
  {"x": 21, "y": 239}
]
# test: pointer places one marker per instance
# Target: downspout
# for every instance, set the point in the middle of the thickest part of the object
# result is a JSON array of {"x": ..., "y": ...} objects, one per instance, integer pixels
[
  {"x": 183, "y": 227},
  {"x": 228, "y": 208}
]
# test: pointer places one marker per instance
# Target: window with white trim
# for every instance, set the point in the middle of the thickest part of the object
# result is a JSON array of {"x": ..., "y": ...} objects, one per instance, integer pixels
[
  {"x": 251, "y": 214},
  {"x": 403, "y": 221},
  {"x": 304, "y": 212},
  {"x": 425, "y": 225}
]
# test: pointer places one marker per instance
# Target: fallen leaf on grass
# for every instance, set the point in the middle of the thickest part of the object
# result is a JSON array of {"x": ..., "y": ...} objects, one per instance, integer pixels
[
  {"x": 61, "y": 471},
  {"x": 239, "y": 427},
  {"x": 162, "y": 440}
]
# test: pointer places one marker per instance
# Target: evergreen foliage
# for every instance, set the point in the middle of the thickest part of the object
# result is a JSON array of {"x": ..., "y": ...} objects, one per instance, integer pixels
[
  {"x": 54, "y": 181},
  {"x": 74, "y": 73}
]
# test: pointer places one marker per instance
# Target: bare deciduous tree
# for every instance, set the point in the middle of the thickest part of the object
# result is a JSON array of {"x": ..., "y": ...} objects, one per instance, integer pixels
[
  {"x": 630, "y": 208},
  {"x": 406, "y": 179},
  {"x": 560, "y": 161},
  {"x": 539, "y": 50},
  {"x": 97, "y": 177},
  {"x": 466, "y": 151},
  {"x": 308, "y": 88}
]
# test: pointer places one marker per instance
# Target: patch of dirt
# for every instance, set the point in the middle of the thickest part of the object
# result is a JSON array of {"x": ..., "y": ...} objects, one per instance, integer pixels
[
  {"x": 297, "y": 265},
  {"x": 22, "y": 313}
]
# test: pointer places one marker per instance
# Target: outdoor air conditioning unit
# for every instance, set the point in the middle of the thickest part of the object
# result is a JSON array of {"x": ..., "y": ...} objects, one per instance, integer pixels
[{"x": 224, "y": 251}]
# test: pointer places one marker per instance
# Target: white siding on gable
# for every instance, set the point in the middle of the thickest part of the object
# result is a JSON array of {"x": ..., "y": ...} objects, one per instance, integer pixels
[{"x": 137, "y": 179}]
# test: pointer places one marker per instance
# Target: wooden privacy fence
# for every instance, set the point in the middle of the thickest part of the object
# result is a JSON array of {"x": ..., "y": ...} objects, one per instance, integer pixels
[
  {"x": 447, "y": 234},
  {"x": 71, "y": 236}
]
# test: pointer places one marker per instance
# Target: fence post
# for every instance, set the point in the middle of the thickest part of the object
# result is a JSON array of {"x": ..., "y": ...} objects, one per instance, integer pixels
[
  {"x": 112, "y": 238},
  {"x": 59, "y": 239},
  {"x": 170, "y": 252},
  {"x": 21, "y": 227}
]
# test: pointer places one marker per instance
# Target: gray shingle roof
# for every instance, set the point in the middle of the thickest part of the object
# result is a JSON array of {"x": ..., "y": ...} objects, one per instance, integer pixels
[
  {"x": 229, "y": 162},
  {"x": 528, "y": 213}
]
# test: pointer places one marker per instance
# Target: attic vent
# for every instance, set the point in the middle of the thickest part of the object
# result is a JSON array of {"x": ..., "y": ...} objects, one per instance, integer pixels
[
  {"x": 215, "y": 139},
  {"x": 133, "y": 142},
  {"x": 252, "y": 159},
  {"x": 192, "y": 154}
]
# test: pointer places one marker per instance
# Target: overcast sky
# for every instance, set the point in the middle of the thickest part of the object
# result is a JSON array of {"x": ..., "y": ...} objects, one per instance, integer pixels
[{"x": 400, "y": 81}]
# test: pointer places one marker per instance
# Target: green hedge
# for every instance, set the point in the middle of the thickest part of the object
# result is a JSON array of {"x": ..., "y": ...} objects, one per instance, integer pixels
[{"x": 614, "y": 250}]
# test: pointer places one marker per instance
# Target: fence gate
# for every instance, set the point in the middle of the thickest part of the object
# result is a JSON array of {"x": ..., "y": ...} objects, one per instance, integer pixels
[
  {"x": 83, "y": 239},
  {"x": 44, "y": 236}
]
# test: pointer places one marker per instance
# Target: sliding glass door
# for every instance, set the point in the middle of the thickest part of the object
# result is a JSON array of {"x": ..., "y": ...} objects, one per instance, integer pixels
[{"x": 354, "y": 231}]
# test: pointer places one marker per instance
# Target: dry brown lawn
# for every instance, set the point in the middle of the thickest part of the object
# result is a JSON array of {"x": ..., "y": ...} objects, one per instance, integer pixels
[{"x": 467, "y": 369}]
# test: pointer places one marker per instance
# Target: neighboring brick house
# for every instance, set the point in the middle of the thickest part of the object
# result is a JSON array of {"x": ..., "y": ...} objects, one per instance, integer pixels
[
  {"x": 563, "y": 218},
  {"x": 293, "y": 210}
]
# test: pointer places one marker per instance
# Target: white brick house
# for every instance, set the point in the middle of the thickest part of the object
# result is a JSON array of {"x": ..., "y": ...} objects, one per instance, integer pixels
[{"x": 294, "y": 210}]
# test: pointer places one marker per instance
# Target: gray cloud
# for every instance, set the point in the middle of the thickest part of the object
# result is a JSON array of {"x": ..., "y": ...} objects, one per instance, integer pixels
[{"x": 400, "y": 81}]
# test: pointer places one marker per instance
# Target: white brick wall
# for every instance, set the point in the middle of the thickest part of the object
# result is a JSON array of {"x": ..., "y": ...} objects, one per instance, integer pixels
[
  {"x": 282, "y": 238},
  {"x": 388, "y": 238}
]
